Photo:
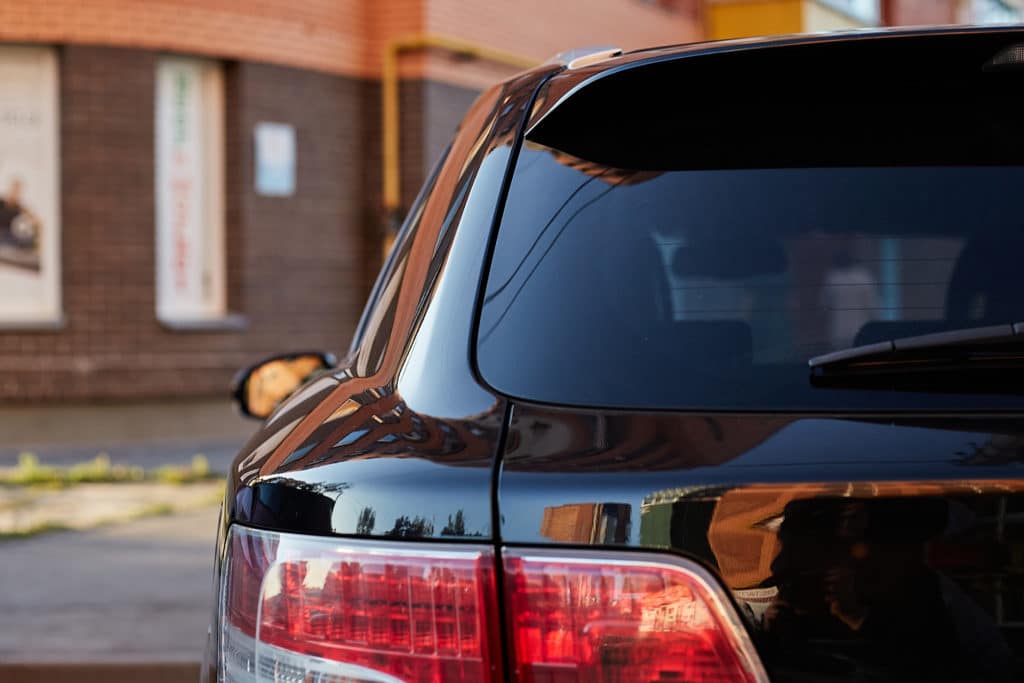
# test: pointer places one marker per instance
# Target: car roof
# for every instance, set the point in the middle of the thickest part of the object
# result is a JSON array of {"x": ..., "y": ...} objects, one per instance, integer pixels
[
  {"x": 713, "y": 46},
  {"x": 597, "y": 63}
]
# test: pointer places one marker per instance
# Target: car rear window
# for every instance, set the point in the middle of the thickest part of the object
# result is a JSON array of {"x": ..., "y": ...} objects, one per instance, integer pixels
[{"x": 649, "y": 271}]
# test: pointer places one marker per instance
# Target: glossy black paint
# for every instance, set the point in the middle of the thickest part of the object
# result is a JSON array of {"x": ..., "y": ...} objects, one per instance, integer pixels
[
  {"x": 558, "y": 89},
  {"x": 857, "y": 548},
  {"x": 368, "y": 455}
]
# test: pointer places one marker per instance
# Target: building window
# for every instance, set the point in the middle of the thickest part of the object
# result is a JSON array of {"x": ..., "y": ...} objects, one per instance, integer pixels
[
  {"x": 190, "y": 259},
  {"x": 29, "y": 192},
  {"x": 993, "y": 12},
  {"x": 866, "y": 12}
]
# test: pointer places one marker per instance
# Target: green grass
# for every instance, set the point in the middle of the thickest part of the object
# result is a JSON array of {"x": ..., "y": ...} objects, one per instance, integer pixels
[
  {"x": 30, "y": 472},
  {"x": 45, "y": 527}
]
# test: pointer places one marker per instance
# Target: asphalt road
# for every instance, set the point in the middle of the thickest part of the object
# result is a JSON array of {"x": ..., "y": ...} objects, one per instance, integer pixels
[{"x": 140, "y": 591}]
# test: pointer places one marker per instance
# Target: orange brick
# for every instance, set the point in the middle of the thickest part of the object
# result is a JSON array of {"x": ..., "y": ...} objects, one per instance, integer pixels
[{"x": 347, "y": 37}]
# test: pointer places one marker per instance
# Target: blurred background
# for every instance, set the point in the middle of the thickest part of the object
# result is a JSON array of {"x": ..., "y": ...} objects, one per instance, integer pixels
[{"x": 187, "y": 186}]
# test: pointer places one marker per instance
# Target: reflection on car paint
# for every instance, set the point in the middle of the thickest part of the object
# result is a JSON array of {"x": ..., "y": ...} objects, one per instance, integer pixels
[
  {"x": 411, "y": 449},
  {"x": 907, "y": 564}
]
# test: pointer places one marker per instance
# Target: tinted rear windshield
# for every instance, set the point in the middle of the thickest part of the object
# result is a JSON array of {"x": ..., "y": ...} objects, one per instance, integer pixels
[{"x": 660, "y": 279}]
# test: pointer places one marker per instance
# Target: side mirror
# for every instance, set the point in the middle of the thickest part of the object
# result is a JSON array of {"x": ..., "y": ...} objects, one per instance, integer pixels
[{"x": 259, "y": 388}]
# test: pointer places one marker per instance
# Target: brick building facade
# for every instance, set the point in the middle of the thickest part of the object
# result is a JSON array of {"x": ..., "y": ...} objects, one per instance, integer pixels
[{"x": 295, "y": 267}]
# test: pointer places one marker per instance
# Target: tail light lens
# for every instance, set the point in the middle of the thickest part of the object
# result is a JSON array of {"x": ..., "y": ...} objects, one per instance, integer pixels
[
  {"x": 595, "y": 616},
  {"x": 302, "y": 608}
]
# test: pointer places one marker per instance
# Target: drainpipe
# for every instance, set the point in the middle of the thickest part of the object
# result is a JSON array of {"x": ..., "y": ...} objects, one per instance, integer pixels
[{"x": 389, "y": 109}]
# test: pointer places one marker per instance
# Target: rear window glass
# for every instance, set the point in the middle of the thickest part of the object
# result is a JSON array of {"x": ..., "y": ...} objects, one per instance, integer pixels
[{"x": 710, "y": 288}]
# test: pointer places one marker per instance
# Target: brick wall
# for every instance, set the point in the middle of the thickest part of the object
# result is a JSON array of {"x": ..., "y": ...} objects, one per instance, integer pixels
[
  {"x": 541, "y": 28},
  {"x": 304, "y": 275},
  {"x": 428, "y": 115},
  {"x": 348, "y": 36},
  {"x": 429, "y": 111},
  {"x": 326, "y": 35},
  {"x": 296, "y": 266},
  {"x": 917, "y": 13}
]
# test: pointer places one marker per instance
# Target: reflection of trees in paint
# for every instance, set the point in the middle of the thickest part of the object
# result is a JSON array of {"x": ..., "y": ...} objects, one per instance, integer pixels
[
  {"x": 367, "y": 520},
  {"x": 20, "y": 230},
  {"x": 456, "y": 526},
  {"x": 416, "y": 527}
]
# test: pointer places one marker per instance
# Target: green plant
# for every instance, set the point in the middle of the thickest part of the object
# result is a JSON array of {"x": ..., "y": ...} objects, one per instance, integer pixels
[{"x": 30, "y": 472}]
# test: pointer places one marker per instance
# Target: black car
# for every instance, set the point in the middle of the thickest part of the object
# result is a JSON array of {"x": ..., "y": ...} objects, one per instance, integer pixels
[{"x": 698, "y": 363}]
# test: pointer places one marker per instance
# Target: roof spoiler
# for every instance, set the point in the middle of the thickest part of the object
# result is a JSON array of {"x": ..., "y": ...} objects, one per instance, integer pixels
[{"x": 584, "y": 56}]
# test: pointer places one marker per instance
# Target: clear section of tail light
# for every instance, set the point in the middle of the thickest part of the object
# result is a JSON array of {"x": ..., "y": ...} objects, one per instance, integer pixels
[
  {"x": 593, "y": 616},
  {"x": 301, "y": 608}
]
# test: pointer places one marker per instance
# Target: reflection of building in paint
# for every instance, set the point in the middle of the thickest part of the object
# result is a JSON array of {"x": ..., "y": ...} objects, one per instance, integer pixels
[
  {"x": 739, "y": 526},
  {"x": 596, "y": 523},
  {"x": 624, "y": 443},
  {"x": 377, "y": 423},
  {"x": 665, "y": 610},
  {"x": 669, "y": 514},
  {"x": 737, "y": 531},
  {"x": 744, "y": 528}
]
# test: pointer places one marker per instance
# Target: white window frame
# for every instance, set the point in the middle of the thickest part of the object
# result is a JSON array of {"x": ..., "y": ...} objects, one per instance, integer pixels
[{"x": 191, "y": 265}]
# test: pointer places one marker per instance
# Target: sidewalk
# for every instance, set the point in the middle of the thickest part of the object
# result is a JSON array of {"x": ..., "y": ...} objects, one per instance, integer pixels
[
  {"x": 129, "y": 593},
  {"x": 134, "y": 592}
]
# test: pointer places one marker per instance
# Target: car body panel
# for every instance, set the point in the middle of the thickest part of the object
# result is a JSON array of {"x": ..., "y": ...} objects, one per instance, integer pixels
[
  {"x": 779, "y": 506},
  {"x": 567, "y": 82},
  {"x": 366, "y": 455}
]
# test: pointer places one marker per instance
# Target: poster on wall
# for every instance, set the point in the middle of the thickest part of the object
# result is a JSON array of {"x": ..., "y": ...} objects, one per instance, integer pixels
[
  {"x": 275, "y": 159},
  {"x": 29, "y": 193},
  {"x": 190, "y": 278}
]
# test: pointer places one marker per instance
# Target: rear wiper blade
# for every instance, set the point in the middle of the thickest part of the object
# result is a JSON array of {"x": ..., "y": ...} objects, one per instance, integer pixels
[{"x": 975, "y": 348}]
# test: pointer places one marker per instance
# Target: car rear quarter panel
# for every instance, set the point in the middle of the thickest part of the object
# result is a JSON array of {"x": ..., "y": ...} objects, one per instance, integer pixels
[
  {"x": 856, "y": 548},
  {"x": 409, "y": 450}
]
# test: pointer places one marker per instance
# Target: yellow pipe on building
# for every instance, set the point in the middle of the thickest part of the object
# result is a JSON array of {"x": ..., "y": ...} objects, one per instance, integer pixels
[{"x": 389, "y": 103}]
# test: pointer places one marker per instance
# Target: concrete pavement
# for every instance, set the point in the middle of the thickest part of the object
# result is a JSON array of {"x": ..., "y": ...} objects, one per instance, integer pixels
[
  {"x": 130, "y": 594},
  {"x": 135, "y": 592}
]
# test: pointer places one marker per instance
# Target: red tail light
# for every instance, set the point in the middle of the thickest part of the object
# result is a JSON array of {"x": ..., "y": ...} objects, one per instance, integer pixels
[
  {"x": 600, "y": 617},
  {"x": 301, "y": 608}
]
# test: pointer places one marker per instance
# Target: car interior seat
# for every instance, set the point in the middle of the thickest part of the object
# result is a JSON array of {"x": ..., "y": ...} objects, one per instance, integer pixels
[{"x": 988, "y": 281}]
